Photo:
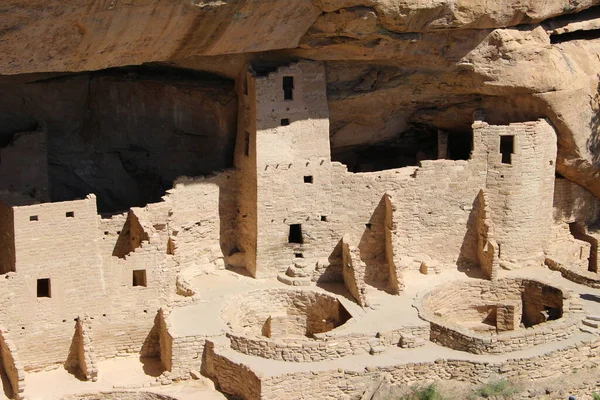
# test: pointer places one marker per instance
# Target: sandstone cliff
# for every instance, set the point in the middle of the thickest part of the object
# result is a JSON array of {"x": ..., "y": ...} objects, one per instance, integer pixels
[{"x": 396, "y": 69}]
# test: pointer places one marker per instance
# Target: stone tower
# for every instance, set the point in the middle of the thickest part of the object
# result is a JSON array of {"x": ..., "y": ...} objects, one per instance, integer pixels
[{"x": 284, "y": 163}]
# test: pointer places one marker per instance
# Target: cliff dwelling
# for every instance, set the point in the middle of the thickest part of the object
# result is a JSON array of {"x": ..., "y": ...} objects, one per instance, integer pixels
[{"x": 299, "y": 199}]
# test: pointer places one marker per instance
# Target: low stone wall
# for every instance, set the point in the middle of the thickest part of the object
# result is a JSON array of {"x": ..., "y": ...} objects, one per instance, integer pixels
[
  {"x": 453, "y": 311},
  {"x": 13, "y": 368},
  {"x": 231, "y": 377},
  {"x": 577, "y": 275},
  {"x": 119, "y": 396},
  {"x": 504, "y": 342},
  {"x": 338, "y": 383},
  {"x": 327, "y": 346}
]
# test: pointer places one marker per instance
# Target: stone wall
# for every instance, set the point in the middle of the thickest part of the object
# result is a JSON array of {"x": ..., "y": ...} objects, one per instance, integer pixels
[
  {"x": 327, "y": 346},
  {"x": 11, "y": 364},
  {"x": 464, "y": 316},
  {"x": 292, "y": 162},
  {"x": 202, "y": 221},
  {"x": 231, "y": 377},
  {"x": 519, "y": 189},
  {"x": 304, "y": 310},
  {"x": 487, "y": 248},
  {"x": 62, "y": 275},
  {"x": 353, "y": 382},
  {"x": 119, "y": 395}
]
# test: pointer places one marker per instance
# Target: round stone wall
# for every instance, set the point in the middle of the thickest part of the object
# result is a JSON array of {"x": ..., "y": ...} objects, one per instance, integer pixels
[
  {"x": 288, "y": 325},
  {"x": 497, "y": 316}
]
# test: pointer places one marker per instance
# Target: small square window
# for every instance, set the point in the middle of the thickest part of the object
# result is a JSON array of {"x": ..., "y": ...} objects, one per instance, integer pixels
[
  {"x": 285, "y": 122},
  {"x": 308, "y": 179},
  {"x": 33, "y": 218},
  {"x": 43, "y": 287},
  {"x": 70, "y": 214},
  {"x": 369, "y": 226},
  {"x": 324, "y": 218},
  {"x": 139, "y": 277},
  {"x": 298, "y": 255}
]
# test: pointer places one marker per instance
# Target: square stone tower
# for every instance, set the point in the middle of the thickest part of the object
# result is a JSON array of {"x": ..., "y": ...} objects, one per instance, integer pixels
[{"x": 284, "y": 166}]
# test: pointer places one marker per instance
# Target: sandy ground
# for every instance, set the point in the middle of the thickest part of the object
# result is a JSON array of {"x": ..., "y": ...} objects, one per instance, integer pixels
[{"x": 121, "y": 373}]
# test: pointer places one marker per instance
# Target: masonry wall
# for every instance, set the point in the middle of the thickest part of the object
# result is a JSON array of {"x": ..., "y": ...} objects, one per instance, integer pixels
[
  {"x": 245, "y": 158},
  {"x": 24, "y": 165},
  {"x": 520, "y": 192},
  {"x": 65, "y": 249},
  {"x": 353, "y": 382},
  {"x": 292, "y": 164},
  {"x": 202, "y": 221}
]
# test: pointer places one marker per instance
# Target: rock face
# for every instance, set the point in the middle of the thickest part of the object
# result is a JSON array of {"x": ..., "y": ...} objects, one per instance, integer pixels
[
  {"x": 125, "y": 135},
  {"x": 395, "y": 69}
]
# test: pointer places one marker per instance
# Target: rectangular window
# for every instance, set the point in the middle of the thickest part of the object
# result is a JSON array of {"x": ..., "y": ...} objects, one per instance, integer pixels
[
  {"x": 308, "y": 179},
  {"x": 295, "y": 235},
  {"x": 43, "y": 287},
  {"x": 285, "y": 122},
  {"x": 507, "y": 148},
  {"x": 247, "y": 144},
  {"x": 139, "y": 277},
  {"x": 33, "y": 218},
  {"x": 288, "y": 87},
  {"x": 70, "y": 214}
]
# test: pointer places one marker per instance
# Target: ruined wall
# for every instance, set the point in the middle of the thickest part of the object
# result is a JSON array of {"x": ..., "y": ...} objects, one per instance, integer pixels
[
  {"x": 202, "y": 221},
  {"x": 13, "y": 368},
  {"x": 473, "y": 317},
  {"x": 231, "y": 377},
  {"x": 487, "y": 248},
  {"x": 304, "y": 310},
  {"x": 80, "y": 281},
  {"x": 354, "y": 382}
]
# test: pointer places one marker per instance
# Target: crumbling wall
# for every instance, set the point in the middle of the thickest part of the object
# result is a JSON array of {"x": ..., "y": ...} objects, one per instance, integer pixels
[
  {"x": 353, "y": 383},
  {"x": 77, "y": 280},
  {"x": 202, "y": 221},
  {"x": 232, "y": 377},
  {"x": 396, "y": 284},
  {"x": 487, "y": 248},
  {"x": 353, "y": 271},
  {"x": 303, "y": 311},
  {"x": 12, "y": 364}
]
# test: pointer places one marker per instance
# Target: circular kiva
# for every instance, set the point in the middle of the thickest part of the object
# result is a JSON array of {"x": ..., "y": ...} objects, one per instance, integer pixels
[
  {"x": 286, "y": 324},
  {"x": 497, "y": 316}
]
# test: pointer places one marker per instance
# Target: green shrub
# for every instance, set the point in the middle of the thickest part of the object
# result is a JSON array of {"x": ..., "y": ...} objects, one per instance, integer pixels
[
  {"x": 429, "y": 392},
  {"x": 595, "y": 396},
  {"x": 500, "y": 389}
]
